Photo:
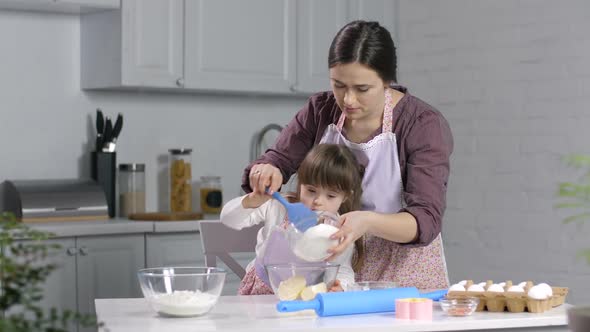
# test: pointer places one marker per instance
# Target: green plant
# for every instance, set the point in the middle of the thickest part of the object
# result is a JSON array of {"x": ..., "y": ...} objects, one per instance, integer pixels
[
  {"x": 577, "y": 195},
  {"x": 23, "y": 270}
]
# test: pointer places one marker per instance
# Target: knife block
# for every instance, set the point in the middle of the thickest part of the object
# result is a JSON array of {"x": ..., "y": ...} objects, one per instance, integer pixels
[{"x": 103, "y": 170}]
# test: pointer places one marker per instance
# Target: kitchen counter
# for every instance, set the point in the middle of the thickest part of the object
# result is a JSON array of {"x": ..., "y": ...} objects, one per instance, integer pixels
[
  {"x": 257, "y": 313},
  {"x": 117, "y": 226}
]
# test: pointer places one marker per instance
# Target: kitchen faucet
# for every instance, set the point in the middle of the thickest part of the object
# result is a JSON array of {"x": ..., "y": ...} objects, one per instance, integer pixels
[{"x": 256, "y": 144}]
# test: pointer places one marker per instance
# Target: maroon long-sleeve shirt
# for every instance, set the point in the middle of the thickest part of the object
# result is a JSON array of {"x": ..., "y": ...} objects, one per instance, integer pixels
[{"x": 424, "y": 143}]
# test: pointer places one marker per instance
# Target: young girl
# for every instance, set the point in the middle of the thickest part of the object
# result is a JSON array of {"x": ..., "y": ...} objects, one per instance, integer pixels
[{"x": 329, "y": 179}]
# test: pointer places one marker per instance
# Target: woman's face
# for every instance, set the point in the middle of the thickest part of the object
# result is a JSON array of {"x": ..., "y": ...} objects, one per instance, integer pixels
[
  {"x": 321, "y": 199},
  {"x": 359, "y": 91}
]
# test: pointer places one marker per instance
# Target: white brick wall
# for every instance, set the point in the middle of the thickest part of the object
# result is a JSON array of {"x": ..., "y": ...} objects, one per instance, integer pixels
[{"x": 513, "y": 79}]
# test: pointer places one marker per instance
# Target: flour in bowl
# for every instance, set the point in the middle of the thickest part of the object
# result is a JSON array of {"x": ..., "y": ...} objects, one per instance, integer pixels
[
  {"x": 314, "y": 244},
  {"x": 184, "y": 303}
]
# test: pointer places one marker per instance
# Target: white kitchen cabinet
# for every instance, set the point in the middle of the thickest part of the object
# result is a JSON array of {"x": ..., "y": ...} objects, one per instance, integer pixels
[
  {"x": 60, "y": 6},
  {"x": 93, "y": 267},
  {"x": 59, "y": 289},
  {"x": 383, "y": 11},
  {"x": 317, "y": 24},
  {"x": 139, "y": 46},
  {"x": 184, "y": 249},
  {"x": 237, "y": 45},
  {"x": 107, "y": 268},
  {"x": 174, "y": 249},
  {"x": 255, "y": 46}
]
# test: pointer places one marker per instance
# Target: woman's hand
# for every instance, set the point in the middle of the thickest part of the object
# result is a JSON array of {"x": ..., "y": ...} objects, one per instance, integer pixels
[
  {"x": 263, "y": 176},
  {"x": 254, "y": 200},
  {"x": 353, "y": 225}
]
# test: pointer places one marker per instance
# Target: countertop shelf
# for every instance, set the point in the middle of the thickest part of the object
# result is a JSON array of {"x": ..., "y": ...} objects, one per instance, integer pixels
[{"x": 117, "y": 226}]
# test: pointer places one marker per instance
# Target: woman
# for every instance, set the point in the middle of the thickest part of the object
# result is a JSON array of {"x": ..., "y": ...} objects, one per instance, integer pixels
[{"x": 403, "y": 143}]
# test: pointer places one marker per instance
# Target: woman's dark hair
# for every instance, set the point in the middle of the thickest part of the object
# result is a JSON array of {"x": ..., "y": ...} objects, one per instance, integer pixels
[
  {"x": 367, "y": 43},
  {"x": 334, "y": 166}
]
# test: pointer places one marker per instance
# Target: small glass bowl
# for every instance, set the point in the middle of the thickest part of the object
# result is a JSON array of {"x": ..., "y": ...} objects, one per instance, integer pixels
[
  {"x": 459, "y": 307},
  {"x": 369, "y": 285}
]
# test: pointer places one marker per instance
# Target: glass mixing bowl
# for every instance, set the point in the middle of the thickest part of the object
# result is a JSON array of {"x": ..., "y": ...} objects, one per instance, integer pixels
[
  {"x": 181, "y": 291},
  {"x": 288, "y": 281}
]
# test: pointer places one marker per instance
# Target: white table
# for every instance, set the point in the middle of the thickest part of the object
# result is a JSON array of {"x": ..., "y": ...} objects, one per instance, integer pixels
[{"x": 257, "y": 313}]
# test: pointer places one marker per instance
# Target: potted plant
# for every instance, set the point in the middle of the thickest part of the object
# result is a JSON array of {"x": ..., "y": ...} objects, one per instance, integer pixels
[
  {"x": 577, "y": 197},
  {"x": 23, "y": 270}
]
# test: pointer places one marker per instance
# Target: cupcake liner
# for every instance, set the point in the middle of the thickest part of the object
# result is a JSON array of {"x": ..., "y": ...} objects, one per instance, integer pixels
[
  {"x": 536, "y": 306},
  {"x": 516, "y": 301},
  {"x": 496, "y": 303}
]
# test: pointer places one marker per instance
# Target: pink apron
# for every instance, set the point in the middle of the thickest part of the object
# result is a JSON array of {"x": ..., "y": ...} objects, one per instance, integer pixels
[{"x": 422, "y": 267}]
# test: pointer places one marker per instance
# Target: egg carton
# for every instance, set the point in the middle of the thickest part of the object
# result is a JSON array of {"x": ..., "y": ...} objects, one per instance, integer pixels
[{"x": 512, "y": 301}]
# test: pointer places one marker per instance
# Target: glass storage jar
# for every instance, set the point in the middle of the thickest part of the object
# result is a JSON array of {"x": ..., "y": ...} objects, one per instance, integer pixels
[
  {"x": 211, "y": 196},
  {"x": 180, "y": 180},
  {"x": 131, "y": 189}
]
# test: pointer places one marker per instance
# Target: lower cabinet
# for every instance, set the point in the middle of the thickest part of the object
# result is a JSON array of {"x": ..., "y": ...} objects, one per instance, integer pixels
[
  {"x": 59, "y": 290},
  {"x": 184, "y": 249},
  {"x": 107, "y": 267},
  {"x": 93, "y": 267}
]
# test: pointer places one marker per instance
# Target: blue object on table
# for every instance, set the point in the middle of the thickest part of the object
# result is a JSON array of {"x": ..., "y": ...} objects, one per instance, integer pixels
[
  {"x": 299, "y": 215},
  {"x": 358, "y": 302}
]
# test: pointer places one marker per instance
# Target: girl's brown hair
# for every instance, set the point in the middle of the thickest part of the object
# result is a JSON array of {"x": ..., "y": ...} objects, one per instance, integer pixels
[{"x": 335, "y": 167}]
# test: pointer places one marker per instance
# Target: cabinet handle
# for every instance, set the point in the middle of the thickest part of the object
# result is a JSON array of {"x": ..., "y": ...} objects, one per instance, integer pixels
[
  {"x": 72, "y": 251},
  {"x": 83, "y": 251},
  {"x": 180, "y": 82}
]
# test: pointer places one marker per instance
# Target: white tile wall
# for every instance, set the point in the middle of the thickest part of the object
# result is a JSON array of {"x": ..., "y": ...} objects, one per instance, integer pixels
[{"x": 513, "y": 79}]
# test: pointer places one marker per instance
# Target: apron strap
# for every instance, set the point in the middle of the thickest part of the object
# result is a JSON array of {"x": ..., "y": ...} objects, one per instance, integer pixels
[{"x": 387, "y": 115}]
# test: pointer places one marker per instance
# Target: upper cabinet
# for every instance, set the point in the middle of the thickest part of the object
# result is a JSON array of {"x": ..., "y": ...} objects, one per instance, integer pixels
[
  {"x": 60, "y": 6},
  {"x": 317, "y": 24},
  {"x": 140, "y": 45},
  {"x": 258, "y": 46},
  {"x": 240, "y": 45}
]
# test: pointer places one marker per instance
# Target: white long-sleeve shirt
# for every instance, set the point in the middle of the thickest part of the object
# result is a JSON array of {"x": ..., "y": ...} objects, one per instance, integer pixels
[{"x": 272, "y": 213}]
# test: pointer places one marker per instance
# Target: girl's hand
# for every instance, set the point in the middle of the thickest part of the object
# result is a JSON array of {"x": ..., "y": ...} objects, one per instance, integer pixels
[
  {"x": 263, "y": 176},
  {"x": 353, "y": 225},
  {"x": 254, "y": 200},
  {"x": 336, "y": 287}
]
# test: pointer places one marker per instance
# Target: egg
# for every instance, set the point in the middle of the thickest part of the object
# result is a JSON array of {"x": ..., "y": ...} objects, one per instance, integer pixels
[
  {"x": 496, "y": 288},
  {"x": 314, "y": 244},
  {"x": 547, "y": 288},
  {"x": 475, "y": 288},
  {"x": 457, "y": 287},
  {"x": 462, "y": 283},
  {"x": 483, "y": 284},
  {"x": 537, "y": 293},
  {"x": 502, "y": 284},
  {"x": 516, "y": 288},
  {"x": 522, "y": 284}
]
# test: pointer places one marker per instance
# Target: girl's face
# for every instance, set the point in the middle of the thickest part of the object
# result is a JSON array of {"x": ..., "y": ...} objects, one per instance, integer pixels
[
  {"x": 321, "y": 199},
  {"x": 359, "y": 91}
]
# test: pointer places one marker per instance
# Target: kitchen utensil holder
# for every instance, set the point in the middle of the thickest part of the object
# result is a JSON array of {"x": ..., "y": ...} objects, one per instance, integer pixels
[{"x": 104, "y": 171}]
